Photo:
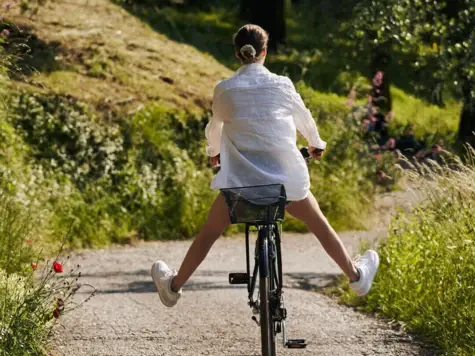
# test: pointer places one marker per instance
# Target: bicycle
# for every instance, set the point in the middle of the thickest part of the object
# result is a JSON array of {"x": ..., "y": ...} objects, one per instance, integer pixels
[{"x": 263, "y": 207}]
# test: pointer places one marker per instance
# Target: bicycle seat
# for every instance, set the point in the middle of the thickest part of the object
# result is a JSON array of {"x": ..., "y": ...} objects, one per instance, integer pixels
[{"x": 262, "y": 204}]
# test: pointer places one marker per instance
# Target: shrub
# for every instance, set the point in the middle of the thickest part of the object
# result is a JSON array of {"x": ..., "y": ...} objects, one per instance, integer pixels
[
  {"x": 170, "y": 155},
  {"x": 62, "y": 132},
  {"x": 344, "y": 181}
]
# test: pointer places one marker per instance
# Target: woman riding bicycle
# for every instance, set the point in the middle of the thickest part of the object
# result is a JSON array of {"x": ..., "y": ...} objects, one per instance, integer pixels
[{"x": 253, "y": 135}]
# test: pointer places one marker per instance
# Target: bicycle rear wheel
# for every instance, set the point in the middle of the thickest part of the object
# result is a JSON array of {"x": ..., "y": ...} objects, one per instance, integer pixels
[{"x": 267, "y": 324}]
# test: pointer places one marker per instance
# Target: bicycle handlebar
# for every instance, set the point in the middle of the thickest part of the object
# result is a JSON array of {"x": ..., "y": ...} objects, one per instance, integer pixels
[
  {"x": 304, "y": 151},
  {"x": 306, "y": 155}
]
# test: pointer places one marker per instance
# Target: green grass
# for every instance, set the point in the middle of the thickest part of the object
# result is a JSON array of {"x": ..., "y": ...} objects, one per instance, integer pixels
[
  {"x": 426, "y": 277},
  {"x": 109, "y": 59},
  {"x": 427, "y": 120}
]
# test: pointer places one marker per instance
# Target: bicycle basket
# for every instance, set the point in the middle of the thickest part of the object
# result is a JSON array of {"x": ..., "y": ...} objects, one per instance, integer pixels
[{"x": 259, "y": 204}]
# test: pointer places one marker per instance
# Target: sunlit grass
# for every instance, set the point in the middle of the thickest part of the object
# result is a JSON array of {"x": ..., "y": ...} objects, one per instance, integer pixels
[{"x": 426, "y": 279}]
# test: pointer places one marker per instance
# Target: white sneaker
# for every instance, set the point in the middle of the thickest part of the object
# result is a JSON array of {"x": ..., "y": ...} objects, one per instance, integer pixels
[
  {"x": 163, "y": 277},
  {"x": 367, "y": 265}
]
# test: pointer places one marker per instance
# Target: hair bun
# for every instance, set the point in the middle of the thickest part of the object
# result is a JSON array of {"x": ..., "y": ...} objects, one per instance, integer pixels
[{"x": 248, "y": 51}]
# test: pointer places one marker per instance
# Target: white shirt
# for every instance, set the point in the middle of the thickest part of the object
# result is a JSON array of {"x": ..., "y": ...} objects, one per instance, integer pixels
[{"x": 255, "y": 117}]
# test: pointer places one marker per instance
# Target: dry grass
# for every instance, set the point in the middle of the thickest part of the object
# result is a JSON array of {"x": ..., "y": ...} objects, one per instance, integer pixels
[{"x": 106, "y": 57}]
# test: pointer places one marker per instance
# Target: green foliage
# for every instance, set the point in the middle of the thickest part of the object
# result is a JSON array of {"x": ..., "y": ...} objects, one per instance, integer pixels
[
  {"x": 165, "y": 144},
  {"x": 349, "y": 168},
  {"x": 426, "y": 277},
  {"x": 61, "y": 131},
  {"x": 20, "y": 225},
  {"x": 29, "y": 301},
  {"x": 23, "y": 332},
  {"x": 427, "y": 120},
  {"x": 147, "y": 177},
  {"x": 437, "y": 37}
]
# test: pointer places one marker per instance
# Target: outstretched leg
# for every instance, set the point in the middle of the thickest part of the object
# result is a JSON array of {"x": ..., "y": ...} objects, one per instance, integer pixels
[
  {"x": 168, "y": 282},
  {"x": 309, "y": 212},
  {"x": 218, "y": 221}
]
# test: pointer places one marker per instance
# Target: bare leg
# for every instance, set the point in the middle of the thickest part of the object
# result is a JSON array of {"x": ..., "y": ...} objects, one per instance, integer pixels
[
  {"x": 309, "y": 212},
  {"x": 218, "y": 220}
]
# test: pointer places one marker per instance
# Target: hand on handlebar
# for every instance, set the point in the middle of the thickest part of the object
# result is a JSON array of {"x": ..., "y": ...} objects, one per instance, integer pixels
[
  {"x": 316, "y": 153},
  {"x": 215, "y": 162}
]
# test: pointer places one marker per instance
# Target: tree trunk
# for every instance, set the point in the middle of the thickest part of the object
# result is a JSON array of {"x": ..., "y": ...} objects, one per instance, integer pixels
[
  {"x": 467, "y": 117},
  {"x": 270, "y": 15}
]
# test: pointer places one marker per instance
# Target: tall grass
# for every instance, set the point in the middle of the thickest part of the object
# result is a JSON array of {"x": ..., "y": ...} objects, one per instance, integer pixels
[{"x": 426, "y": 278}]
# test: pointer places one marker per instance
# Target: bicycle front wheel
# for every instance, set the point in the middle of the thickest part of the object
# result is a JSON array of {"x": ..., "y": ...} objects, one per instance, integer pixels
[{"x": 267, "y": 325}]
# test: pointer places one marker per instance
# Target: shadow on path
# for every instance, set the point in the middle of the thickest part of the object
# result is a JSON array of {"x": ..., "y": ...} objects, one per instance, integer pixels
[{"x": 212, "y": 280}]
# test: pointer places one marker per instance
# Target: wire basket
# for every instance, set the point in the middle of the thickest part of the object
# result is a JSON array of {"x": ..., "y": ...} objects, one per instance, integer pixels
[{"x": 263, "y": 204}]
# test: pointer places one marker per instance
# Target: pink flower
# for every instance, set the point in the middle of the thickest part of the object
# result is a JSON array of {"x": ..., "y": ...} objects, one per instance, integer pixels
[
  {"x": 57, "y": 267},
  {"x": 378, "y": 79},
  {"x": 5, "y": 33},
  {"x": 377, "y": 156}
]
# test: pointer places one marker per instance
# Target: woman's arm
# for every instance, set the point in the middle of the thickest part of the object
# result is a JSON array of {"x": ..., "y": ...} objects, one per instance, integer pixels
[
  {"x": 305, "y": 123},
  {"x": 214, "y": 130}
]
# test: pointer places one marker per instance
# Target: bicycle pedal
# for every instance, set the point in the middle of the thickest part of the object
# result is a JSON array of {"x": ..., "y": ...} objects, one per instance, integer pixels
[
  {"x": 238, "y": 278},
  {"x": 296, "y": 344}
]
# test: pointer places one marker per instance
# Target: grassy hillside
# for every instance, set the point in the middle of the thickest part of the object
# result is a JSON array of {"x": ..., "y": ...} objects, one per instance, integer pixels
[{"x": 97, "y": 52}]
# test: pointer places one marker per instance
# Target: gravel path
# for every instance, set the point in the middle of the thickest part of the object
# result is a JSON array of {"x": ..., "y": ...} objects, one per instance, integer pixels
[{"x": 212, "y": 318}]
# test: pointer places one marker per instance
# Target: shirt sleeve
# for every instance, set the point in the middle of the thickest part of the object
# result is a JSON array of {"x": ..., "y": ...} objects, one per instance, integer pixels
[
  {"x": 305, "y": 123},
  {"x": 214, "y": 131}
]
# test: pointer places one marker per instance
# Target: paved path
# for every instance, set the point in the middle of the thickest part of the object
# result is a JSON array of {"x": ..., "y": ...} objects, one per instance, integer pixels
[{"x": 212, "y": 318}]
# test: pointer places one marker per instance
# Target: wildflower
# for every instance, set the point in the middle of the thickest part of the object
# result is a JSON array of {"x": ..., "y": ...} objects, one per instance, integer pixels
[
  {"x": 34, "y": 266},
  {"x": 29, "y": 242},
  {"x": 5, "y": 33},
  {"x": 378, "y": 79},
  {"x": 58, "y": 267},
  {"x": 377, "y": 156}
]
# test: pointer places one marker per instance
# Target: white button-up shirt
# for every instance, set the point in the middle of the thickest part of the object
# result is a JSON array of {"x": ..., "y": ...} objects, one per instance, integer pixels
[{"x": 255, "y": 117}]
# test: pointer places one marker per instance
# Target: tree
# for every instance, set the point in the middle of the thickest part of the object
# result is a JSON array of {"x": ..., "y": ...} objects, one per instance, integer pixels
[
  {"x": 270, "y": 15},
  {"x": 440, "y": 36}
]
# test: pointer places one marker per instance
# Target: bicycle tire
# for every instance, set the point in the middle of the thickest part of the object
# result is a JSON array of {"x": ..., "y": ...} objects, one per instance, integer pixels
[
  {"x": 272, "y": 334},
  {"x": 264, "y": 295}
]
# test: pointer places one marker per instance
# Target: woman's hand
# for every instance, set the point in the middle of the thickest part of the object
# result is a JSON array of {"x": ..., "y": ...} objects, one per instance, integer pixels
[
  {"x": 316, "y": 153},
  {"x": 214, "y": 161}
]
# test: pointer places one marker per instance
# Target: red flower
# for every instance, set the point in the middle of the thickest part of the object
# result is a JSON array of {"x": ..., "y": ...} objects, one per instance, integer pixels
[
  {"x": 377, "y": 156},
  {"x": 34, "y": 266},
  {"x": 58, "y": 267},
  {"x": 29, "y": 242}
]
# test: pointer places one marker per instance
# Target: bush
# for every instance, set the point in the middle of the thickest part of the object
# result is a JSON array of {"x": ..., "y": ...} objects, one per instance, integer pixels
[
  {"x": 29, "y": 302},
  {"x": 170, "y": 151},
  {"x": 61, "y": 131},
  {"x": 426, "y": 277},
  {"x": 344, "y": 181}
]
